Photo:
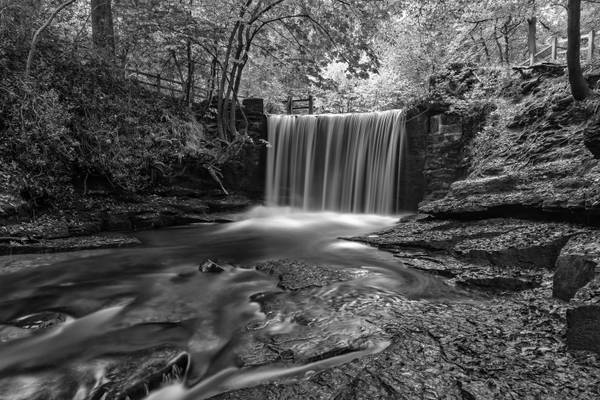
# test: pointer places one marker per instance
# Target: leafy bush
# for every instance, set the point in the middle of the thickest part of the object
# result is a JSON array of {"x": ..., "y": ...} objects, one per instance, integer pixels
[{"x": 80, "y": 120}]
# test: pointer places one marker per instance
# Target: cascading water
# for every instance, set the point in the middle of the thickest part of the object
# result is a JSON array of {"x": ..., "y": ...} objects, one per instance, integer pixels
[{"x": 346, "y": 162}]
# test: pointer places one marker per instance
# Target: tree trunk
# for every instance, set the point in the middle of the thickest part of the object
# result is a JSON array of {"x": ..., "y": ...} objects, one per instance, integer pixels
[
  {"x": 498, "y": 45},
  {"x": 189, "y": 84},
  {"x": 103, "y": 34},
  {"x": 579, "y": 86}
]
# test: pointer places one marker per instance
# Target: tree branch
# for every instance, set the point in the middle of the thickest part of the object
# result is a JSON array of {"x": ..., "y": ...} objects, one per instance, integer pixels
[{"x": 37, "y": 34}]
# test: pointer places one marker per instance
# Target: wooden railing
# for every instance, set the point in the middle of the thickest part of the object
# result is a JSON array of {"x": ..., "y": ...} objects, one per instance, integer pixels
[
  {"x": 170, "y": 87},
  {"x": 305, "y": 104},
  {"x": 556, "y": 51}
]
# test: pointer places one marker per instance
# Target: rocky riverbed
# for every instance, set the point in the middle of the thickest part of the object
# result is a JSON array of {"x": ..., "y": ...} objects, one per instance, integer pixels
[
  {"x": 513, "y": 339},
  {"x": 502, "y": 328}
]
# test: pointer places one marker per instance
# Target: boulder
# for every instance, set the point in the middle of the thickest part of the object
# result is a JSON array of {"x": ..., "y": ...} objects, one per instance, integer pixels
[
  {"x": 591, "y": 138},
  {"x": 211, "y": 267},
  {"x": 576, "y": 264},
  {"x": 583, "y": 328},
  {"x": 572, "y": 273}
]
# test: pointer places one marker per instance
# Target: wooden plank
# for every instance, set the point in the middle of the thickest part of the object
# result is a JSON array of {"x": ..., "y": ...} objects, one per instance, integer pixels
[{"x": 591, "y": 44}]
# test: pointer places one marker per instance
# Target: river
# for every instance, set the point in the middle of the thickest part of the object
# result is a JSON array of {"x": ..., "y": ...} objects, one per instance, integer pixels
[{"x": 85, "y": 311}]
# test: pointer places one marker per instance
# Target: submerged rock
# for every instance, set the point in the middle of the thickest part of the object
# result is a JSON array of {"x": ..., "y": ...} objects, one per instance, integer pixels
[
  {"x": 294, "y": 275},
  {"x": 211, "y": 267}
]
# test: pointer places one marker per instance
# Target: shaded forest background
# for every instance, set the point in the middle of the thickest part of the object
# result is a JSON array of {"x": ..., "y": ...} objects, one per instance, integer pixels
[{"x": 72, "y": 105}]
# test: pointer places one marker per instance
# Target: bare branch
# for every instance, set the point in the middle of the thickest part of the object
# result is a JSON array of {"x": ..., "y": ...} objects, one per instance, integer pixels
[{"x": 41, "y": 29}]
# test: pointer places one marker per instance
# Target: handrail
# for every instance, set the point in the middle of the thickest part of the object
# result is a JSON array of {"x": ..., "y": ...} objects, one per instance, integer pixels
[
  {"x": 157, "y": 84},
  {"x": 291, "y": 107},
  {"x": 555, "y": 51}
]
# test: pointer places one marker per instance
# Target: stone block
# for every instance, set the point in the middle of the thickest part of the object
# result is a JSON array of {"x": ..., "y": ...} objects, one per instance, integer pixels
[
  {"x": 583, "y": 328},
  {"x": 572, "y": 273}
]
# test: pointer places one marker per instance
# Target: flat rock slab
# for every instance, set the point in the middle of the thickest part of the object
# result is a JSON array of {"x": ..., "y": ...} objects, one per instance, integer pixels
[
  {"x": 480, "y": 276},
  {"x": 294, "y": 275},
  {"x": 109, "y": 240},
  {"x": 500, "y": 242}
]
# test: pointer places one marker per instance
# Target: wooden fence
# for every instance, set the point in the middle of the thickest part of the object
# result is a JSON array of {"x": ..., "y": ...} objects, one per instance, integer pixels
[
  {"x": 305, "y": 104},
  {"x": 170, "y": 87},
  {"x": 556, "y": 51}
]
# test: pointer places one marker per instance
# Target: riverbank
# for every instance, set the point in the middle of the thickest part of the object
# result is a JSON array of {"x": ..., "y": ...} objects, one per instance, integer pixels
[{"x": 106, "y": 222}]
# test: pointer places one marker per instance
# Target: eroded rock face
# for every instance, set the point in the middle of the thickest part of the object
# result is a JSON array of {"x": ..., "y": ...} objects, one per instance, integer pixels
[{"x": 540, "y": 161}]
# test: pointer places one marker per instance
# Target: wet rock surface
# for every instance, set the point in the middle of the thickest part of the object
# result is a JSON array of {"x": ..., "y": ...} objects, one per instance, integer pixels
[
  {"x": 502, "y": 256},
  {"x": 470, "y": 346},
  {"x": 102, "y": 241},
  {"x": 510, "y": 347},
  {"x": 499, "y": 242},
  {"x": 295, "y": 275},
  {"x": 504, "y": 336},
  {"x": 86, "y": 225}
]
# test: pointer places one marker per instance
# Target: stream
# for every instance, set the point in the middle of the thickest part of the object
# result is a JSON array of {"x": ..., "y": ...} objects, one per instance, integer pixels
[{"x": 86, "y": 311}]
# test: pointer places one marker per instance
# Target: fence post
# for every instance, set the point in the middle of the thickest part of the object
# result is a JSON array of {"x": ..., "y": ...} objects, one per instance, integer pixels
[
  {"x": 290, "y": 107},
  {"x": 532, "y": 39},
  {"x": 591, "y": 45},
  {"x": 554, "y": 48},
  {"x": 310, "y": 104}
]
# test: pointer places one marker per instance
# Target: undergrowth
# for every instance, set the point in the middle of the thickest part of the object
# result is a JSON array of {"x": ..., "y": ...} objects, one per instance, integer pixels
[{"x": 76, "y": 119}]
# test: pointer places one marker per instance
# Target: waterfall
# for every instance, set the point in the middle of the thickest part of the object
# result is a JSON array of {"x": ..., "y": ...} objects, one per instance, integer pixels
[{"x": 339, "y": 162}]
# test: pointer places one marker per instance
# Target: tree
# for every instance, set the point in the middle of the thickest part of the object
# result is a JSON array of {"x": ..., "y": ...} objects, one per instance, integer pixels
[
  {"x": 579, "y": 86},
  {"x": 39, "y": 31},
  {"x": 103, "y": 34}
]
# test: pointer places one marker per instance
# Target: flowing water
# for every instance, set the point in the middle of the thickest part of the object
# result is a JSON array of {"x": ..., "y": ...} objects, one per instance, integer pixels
[
  {"x": 98, "y": 318},
  {"x": 345, "y": 162},
  {"x": 115, "y": 303}
]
